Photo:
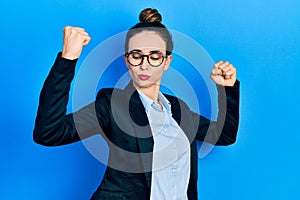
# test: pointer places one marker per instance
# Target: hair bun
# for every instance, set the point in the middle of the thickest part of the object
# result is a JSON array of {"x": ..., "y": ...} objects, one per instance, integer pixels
[{"x": 150, "y": 15}]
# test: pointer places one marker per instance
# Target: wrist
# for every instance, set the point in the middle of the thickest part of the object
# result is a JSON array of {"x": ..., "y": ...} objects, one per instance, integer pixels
[{"x": 68, "y": 56}]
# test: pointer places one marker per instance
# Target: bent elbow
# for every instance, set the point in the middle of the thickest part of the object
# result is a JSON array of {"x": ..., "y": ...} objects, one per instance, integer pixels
[
  {"x": 39, "y": 138},
  {"x": 226, "y": 140},
  {"x": 229, "y": 142},
  {"x": 40, "y": 141}
]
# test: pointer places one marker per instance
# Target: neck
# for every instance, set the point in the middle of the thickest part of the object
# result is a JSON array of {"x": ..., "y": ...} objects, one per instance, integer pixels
[{"x": 151, "y": 91}]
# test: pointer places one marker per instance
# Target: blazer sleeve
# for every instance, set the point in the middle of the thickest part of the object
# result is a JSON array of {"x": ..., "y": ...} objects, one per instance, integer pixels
[
  {"x": 53, "y": 126},
  {"x": 224, "y": 130}
]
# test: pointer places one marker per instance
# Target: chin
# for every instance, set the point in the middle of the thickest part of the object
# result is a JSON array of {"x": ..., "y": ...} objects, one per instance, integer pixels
[{"x": 143, "y": 84}]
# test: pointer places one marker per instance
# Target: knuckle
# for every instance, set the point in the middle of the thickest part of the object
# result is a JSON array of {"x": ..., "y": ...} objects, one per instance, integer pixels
[{"x": 67, "y": 27}]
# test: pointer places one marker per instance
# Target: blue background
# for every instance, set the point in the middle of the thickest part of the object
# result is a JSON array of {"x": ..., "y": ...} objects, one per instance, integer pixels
[{"x": 260, "y": 37}]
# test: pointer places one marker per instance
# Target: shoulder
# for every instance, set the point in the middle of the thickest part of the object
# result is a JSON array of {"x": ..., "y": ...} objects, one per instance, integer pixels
[
  {"x": 104, "y": 92},
  {"x": 108, "y": 92}
]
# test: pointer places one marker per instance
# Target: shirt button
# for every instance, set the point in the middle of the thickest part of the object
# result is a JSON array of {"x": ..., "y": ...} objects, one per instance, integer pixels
[{"x": 173, "y": 171}]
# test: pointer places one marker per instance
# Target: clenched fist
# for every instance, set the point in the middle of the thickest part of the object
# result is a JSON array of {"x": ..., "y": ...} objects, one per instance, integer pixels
[
  {"x": 223, "y": 73},
  {"x": 74, "y": 39}
]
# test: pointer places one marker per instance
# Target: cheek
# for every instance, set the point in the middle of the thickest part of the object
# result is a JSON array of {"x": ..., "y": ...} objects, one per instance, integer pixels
[
  {"x": 158, "y": 72},
  {"x": 131, "y": 72}
]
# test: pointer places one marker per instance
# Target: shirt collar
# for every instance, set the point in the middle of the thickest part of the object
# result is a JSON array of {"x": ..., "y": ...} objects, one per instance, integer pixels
[{"x": 147, "y": 102}]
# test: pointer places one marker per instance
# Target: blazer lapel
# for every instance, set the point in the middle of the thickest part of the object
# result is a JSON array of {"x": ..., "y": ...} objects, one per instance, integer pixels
[
  {"x": 142, "y": 130},
  {"x": 178, "y": 111}
]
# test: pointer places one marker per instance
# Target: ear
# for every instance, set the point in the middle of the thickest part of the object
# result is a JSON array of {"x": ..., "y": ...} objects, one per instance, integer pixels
[{"x": 168, "y": 61}]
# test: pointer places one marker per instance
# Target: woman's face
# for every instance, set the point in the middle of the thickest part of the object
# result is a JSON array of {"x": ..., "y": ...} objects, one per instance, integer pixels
[{"x": 145, "y": 43}]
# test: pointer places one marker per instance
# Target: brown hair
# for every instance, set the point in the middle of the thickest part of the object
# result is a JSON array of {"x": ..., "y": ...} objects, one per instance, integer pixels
[
  {"x": 150, "y": 15},
  {"x": 150, "y": 20}
]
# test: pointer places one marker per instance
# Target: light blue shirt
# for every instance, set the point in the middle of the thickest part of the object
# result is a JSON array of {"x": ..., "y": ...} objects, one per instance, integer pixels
[{"x": 171, "y": 152}]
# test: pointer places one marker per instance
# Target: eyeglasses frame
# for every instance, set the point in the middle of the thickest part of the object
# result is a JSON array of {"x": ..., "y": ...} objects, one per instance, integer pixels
[{"x": 143, "y": 56}]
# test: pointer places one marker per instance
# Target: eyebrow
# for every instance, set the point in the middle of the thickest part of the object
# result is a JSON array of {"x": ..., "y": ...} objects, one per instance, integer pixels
[
  {"x": 140, "y": 51},
  {"x": 136, "y": 50}
]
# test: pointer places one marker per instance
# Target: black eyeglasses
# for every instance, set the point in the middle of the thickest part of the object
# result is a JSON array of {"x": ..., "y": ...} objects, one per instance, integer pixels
[{"x": 136, "y": 58}]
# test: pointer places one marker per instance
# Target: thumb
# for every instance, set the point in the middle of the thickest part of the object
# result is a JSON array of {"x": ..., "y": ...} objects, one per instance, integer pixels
[
  {"x": 86, "y": 40},
  {"x": 216, "y": 72}
]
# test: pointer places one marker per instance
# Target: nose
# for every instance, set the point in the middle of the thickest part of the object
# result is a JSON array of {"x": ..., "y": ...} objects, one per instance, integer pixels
[{"x": 144, "y": 64}]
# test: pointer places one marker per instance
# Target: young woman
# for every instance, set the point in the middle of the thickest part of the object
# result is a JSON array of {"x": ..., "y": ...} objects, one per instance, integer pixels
[{"x": 151, "y": 136}]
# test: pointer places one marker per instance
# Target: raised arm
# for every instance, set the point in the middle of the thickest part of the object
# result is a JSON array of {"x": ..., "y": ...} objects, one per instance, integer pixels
[
  {"x": 224, "y": 130},
  {"x": 52, "y": 125}
]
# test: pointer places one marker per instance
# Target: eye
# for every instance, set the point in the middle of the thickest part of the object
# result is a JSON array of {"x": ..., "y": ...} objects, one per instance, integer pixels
[
  {"x": 155, "y": 56},
  {"x": 136, "y": 55}
]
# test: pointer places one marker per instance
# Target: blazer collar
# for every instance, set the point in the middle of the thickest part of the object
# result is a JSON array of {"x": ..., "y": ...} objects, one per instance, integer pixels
[
  {"x": 142, "y": 130},
  {"x": 140, "y": 117},
  {"x": 132, "y": 93},
  {"x": 142, "y": 127}
]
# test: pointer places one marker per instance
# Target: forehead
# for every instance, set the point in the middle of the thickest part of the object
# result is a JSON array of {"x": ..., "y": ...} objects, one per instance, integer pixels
[{"x": 146, "y": 41}]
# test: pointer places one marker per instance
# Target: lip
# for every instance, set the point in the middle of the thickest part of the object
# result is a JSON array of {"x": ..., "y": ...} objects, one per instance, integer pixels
[{"x": 144, "y": 77}]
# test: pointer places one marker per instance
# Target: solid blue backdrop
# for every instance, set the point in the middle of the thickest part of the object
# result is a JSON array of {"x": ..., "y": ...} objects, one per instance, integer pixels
[{"x": 260, "y": 37}]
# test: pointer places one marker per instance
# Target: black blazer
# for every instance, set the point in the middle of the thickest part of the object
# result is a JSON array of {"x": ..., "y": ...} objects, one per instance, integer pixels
[{"x": 119, "y": 116}]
